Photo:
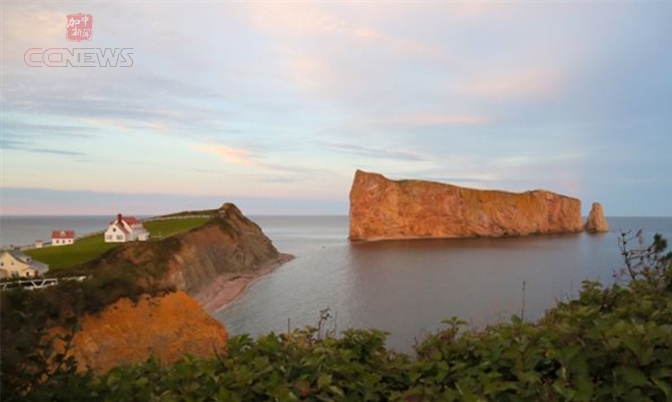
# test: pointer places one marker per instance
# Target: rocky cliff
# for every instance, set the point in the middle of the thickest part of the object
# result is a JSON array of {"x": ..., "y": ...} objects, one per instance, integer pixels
[
  {"x": 596, "y": 222},
  {"x": 165, "y": 327},
  {"x": 385, "y": 209},
  {"x": 229, "y": 251},
  {"x": 228, "y": 245}
]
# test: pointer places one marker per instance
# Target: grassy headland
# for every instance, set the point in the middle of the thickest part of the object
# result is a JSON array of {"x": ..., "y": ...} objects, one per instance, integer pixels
[{"x": 87, "y": 248}]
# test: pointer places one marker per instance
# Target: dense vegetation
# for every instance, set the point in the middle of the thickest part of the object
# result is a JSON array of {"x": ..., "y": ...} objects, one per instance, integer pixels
[
  {"x": 609, "y": 344},
  {"x": 87, "y": 248}
]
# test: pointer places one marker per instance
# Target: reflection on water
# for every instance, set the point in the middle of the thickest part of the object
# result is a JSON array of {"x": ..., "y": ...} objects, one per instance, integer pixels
[{"x": 408, "y": 287}]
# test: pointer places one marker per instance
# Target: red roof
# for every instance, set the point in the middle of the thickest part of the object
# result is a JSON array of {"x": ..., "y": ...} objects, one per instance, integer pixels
[
  {"x": 119, "y": 226},
  {"x": 130, "y": 220},
  {"x": 63, "y": 234}
]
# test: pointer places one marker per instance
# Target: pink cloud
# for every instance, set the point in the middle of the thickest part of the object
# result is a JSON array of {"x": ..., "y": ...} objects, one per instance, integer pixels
[
  {"x": 229, "y": 154},
  {"x": 533, "y": 82}
]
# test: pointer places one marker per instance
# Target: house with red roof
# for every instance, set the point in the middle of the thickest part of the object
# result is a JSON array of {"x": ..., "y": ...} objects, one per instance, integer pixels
[
  {"x": 62, "y": 237},
  {"x": 125, "y": 228}
]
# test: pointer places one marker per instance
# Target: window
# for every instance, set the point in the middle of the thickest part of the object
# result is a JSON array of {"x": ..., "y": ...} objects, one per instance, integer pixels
[
  {"x": 114, "y": 229},
  {"x": 120, "y": 237}
]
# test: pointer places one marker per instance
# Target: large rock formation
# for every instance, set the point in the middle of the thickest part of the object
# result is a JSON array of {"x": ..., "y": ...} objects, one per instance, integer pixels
[
  {"x": 164, "y": 327},
  {"x": 387, "y": 209},
  {"x": 230, "y": 244},
  {"x": 225, "y": 249},
  {"x": 596, "y": 222}
]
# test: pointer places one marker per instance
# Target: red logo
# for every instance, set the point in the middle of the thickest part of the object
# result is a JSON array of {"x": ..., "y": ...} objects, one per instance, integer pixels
[{"x": 79, "y": 27}]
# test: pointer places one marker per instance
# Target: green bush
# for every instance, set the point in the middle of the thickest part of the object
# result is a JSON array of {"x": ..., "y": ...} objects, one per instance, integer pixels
[{"x": 610, "y": 343}]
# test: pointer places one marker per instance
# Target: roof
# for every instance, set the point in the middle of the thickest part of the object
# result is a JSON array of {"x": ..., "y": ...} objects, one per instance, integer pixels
[
  {"x": 19, "y": 255},
  {"x": 129, "y": 220},
  {"x": 118, "y": 226},
  {"x": 63, "y": 234}
]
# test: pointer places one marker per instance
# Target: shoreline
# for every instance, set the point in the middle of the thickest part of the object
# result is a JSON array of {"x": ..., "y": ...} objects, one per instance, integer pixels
[{"x": 226, "y": 288}]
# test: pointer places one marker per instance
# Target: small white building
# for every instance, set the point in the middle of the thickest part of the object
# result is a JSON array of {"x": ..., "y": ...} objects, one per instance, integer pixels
[
  {"x": 39, "y": 243},
  {"x": 62, "y": 237},
  {"x": 125, "y": 228}
]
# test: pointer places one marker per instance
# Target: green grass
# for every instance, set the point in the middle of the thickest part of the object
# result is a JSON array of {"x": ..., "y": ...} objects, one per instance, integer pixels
[
  {"x": 83, "y": 250},
  {"x": 170, "y": 227},
  {"x": 87, "y": 248}
]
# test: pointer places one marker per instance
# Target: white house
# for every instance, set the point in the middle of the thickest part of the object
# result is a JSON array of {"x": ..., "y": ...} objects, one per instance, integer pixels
[
  {"x": 125, "y": 228},
  {"x": 62, "y": 237}
]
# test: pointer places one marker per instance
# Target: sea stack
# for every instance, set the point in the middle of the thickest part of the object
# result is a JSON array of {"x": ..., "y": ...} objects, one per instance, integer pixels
[
  {"x": 596, "y": 222},
  {"x": 386, "y": 209}
]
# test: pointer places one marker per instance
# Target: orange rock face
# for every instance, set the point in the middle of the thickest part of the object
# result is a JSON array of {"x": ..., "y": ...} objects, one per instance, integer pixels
[
  {"x": 386, "y": 209},
  {"x": 596, "y": 222},
  {"x": 164, "y": 327}
]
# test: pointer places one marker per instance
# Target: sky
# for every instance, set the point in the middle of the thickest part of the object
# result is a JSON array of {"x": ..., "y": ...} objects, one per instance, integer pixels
[{"x": 274, "y": 105}]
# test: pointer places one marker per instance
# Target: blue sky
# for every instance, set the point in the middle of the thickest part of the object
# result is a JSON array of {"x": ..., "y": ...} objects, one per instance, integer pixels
[{"x": 274, "y": 105}]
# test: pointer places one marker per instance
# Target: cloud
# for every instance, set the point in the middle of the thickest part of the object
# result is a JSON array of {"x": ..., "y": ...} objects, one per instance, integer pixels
[
  {"x": 18, "y": 146},
  {"x": 232, "y": 155},
  {"x": 323, "y": 51},
  {"x": 295, "y": 19},
  {"x": 433, "y": 119},
  {"x": 377, "y": 153},
  {"x": 517, "y": 84}
]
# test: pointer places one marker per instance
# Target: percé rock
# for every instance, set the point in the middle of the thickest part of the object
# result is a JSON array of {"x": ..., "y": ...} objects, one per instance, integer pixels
[
  {"x": 385, "y": 209},
  {"x": 165, "y": 327},
  {"x": 596, "y": 222},
  {"x": 229, "y": 244}
]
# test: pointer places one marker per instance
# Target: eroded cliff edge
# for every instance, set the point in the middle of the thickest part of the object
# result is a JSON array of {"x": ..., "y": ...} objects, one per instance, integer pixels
[
  {"x": 228, "y": 246},
  {"x": 161, "y": 310},
  {"x": 387, "y": 209}
]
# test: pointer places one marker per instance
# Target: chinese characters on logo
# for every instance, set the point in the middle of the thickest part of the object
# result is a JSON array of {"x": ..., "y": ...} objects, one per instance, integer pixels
[{"x": 79, "y": 27}]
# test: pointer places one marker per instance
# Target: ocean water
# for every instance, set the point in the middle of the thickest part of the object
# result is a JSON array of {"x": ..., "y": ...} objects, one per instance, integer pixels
[
  {"x": 404, "y": 287},
  {"x": 24, "y": 230},
  {"x": 408, "y": 287}
]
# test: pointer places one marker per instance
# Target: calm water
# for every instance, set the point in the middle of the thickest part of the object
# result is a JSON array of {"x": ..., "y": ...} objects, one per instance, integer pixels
[
  {"x": 404, "y": 287},
  {"x": 408, "y": 287}
]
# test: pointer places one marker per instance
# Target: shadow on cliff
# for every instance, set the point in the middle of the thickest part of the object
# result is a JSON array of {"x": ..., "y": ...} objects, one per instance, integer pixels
[{"x": 229, "y": 243}]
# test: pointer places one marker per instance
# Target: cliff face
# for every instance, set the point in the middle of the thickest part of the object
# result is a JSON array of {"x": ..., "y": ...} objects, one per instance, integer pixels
[
  {"x": 164, "y": 327},
  {"x": 596, "y": 222},
  {"x": 387, "y": 209},
  {"x": 230, "y": 244}
]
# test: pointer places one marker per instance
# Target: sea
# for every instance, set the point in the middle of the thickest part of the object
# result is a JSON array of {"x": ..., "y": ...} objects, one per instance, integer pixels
[{"x": 404, "y": 287}]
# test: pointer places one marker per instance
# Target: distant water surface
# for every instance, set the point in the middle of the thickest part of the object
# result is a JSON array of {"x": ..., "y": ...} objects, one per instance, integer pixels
[
  {"x": 408, "y": 287},
  {"x": 24, "y": 230}
]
